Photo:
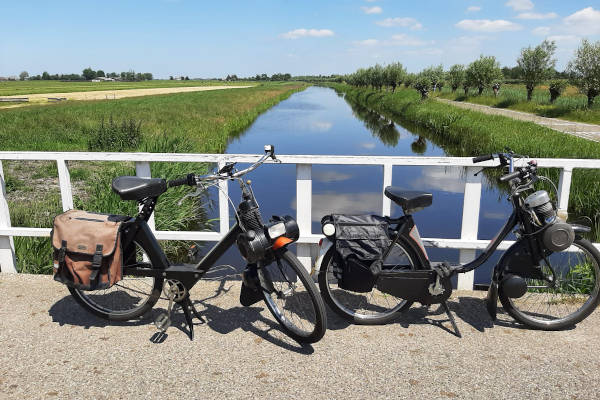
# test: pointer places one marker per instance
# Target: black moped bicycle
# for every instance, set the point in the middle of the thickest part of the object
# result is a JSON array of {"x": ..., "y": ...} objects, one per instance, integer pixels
[
  {"x": 273, "y": 273},
  {"x": 548, "y": 279}
]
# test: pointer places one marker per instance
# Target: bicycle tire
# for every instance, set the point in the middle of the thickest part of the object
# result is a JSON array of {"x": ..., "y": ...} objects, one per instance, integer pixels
[
  {"x": 293, "y": 311},
  {"x": 117, "y": 302},
  {"x": 332, "y": 296},
  {"x": 532, "y": 317}
]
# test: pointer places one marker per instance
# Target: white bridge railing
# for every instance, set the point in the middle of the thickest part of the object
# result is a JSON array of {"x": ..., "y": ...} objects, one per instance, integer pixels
[{"x": 467, "y": 243}]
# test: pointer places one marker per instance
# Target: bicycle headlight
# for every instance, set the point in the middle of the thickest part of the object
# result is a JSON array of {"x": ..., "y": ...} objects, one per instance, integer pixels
[
  {"x": 328, "y": 229},
  {"x": 276, "y": 230}
]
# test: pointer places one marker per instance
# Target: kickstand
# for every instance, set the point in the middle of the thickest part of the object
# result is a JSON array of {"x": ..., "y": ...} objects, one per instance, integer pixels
[
  {"x": 451, "y": 318},
  {"x": 187, "y": 307}
]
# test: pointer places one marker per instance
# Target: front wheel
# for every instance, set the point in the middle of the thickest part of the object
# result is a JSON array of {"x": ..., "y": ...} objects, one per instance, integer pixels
[
  {"x": 293, "y": 298},
  {"x": 565, "y": 297}
]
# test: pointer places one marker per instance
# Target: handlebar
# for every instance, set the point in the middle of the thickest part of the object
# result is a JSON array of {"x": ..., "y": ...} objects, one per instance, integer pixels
[
  {"x": 225, "y": 172},
  {"x": 508, "y": 177},
  {"x": 189, "y": 180},
  {"x": 485, "y": 157}
]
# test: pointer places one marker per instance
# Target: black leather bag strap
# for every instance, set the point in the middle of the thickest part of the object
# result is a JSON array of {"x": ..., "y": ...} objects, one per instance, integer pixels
[{"x": 96, "y": 262}]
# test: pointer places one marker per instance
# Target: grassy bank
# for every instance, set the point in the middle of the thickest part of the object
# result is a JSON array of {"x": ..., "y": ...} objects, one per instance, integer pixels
[
  {"x": 570, "y": 106},
  {"x": 11, "y": 88},
  {"x": 469, "y": 133},
  {"x": 200, "y": 122}
]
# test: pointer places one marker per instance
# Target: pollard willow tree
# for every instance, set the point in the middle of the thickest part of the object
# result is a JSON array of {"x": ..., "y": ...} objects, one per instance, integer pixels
[
  {"x": 536, "y": 65},
  {"x": 584, "y": 70},
  {"x": 456, "y": 76},
  {"x": 435, "y": 76},
  {"x": 394, "y": 75},
  {"x": 483, "y": 72}
]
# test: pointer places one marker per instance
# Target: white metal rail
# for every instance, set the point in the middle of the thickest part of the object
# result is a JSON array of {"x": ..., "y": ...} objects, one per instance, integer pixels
[{"x": 467, "y": 243}]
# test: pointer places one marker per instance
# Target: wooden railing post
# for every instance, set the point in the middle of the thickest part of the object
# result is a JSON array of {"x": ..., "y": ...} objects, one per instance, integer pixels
[
  {"x": 470, "y": 224},
  {"x": 223, "y": 203},
  {"x": 142, "y": 170},
  {"x": 387, "y": 181},
  {"x": 64, "y": 180},
  {"x": 564, "y": 187},
  {"x": 304, "y": 210},
  {"x": 8, "y": 261}
]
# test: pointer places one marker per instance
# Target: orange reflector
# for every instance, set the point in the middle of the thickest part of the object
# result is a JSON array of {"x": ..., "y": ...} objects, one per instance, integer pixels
[{"x": 280, "y": 242}]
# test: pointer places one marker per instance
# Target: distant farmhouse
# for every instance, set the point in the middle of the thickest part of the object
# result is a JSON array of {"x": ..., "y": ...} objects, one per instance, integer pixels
[
  {"x": 103, "y": 79},
  {"x": 10, "y": 78}
]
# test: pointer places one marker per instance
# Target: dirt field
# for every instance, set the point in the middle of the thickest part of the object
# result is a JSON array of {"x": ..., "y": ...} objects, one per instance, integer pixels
[{"x": 111, "y": 94}]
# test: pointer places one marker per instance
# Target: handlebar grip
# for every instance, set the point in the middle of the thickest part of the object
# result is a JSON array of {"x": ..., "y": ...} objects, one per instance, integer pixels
[
  {"x": 508, "y": 177},
  {"x": 483, "y": 158},
  {"x": 189, "y": 180}
]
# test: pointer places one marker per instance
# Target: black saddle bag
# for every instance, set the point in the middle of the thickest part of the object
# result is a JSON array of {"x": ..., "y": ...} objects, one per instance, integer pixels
[{"x": 360, "y": 243}]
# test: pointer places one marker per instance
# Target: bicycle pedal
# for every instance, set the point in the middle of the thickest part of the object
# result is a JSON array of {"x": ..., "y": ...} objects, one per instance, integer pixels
[{"x": 162, "y": 321}]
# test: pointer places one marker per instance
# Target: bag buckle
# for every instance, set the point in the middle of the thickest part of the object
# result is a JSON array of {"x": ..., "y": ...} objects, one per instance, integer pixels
[
  {"x": 61, "y": 252},
  {"x": 96, "y": 262}
]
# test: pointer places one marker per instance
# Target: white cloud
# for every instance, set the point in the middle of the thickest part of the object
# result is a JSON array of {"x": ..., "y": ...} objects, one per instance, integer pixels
[
  {"x": 564, "y": 39},
  {"x": 405, "y": 22},
  {"x": 473, "y": 9},
  {"x": 519, "y": 5},
  {"x": 486, "y": 25},
  {"x": 446, "y": 179},
  {"x": 321, "y": 126},
  {"x": 348, "y": 203},
  {"x": 368, "y": 145},
  {"x": 298, "y": 33},
  {"x": 367, "y": 42},
  {"x": 372, "y": 10},
  {"x": 331, "y": 176},
  {"x": 429, "y": 51},
  {"x": 406, "y": 40},
  {"x": 541, "y": 31},
  {"x": 584, "y": 22},
  {"x": 533, "y": 15}
]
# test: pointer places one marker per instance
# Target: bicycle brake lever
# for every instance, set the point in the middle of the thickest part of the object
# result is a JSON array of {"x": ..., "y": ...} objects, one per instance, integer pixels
[{"x": 197, "y": 193}]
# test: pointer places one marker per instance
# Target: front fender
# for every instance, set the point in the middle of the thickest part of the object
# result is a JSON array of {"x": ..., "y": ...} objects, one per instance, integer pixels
[{"x": 323, "y": 247}]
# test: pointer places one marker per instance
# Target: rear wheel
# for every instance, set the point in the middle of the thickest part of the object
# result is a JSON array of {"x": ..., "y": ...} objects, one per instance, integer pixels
[
  {"x": 127, "y": 299},
  {"x": 293, "y": 298},
  {"x": 572, "y": 296},
  {"x": 371, "y": 308}
]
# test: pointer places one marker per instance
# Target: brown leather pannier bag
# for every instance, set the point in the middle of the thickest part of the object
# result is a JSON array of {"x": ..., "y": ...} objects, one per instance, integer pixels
[{"x": 87, "y": 249}]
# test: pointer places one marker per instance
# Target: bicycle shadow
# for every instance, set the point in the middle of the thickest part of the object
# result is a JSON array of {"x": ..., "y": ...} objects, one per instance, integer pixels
[
  {"x": 67, "y": 311},
  {"x": 470, "y": 310},
  {"x": 249, "y": 319}
]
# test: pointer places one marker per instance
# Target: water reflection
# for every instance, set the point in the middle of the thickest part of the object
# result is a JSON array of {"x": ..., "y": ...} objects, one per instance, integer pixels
[
  {"x": 321, "y": 121},
  {"x": 419, "y": 146},
  {"x": 380, "y": 127}
]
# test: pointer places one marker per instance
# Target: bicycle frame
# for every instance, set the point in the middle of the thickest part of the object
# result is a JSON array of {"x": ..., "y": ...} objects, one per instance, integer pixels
[{"x": 137, "y": 230}]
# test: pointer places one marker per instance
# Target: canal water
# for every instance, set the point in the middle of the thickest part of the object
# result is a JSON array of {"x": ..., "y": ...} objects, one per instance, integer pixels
[{"x": 320, "y": 121}]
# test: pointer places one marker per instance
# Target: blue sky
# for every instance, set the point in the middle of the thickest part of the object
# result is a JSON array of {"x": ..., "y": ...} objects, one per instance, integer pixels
[{"x": 213, "y": 39}]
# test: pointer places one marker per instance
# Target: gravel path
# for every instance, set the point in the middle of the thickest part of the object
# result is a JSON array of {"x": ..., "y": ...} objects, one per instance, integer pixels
[
  {"x": 586, "y": 131},
  {"x": 52, "y": 349}
]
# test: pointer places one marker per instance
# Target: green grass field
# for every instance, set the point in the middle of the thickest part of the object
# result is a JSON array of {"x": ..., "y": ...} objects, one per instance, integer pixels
[
  {"x": 199, "y": 122},
  {"x": 10, "y": 88},
  {"x": 570, "y": 106},
  {"x": 467, "y": 133}
]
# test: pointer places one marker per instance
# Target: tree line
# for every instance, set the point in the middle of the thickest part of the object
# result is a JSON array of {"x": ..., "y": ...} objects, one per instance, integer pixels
[
  {"x": 88, "y": 74},
  {"x": 535, "y": 65}
]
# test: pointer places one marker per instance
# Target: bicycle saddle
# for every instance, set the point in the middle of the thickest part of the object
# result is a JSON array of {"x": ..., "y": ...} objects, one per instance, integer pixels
[
  {"x": 134, "y": 188},
  {"x": 409, "y": 200}
]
